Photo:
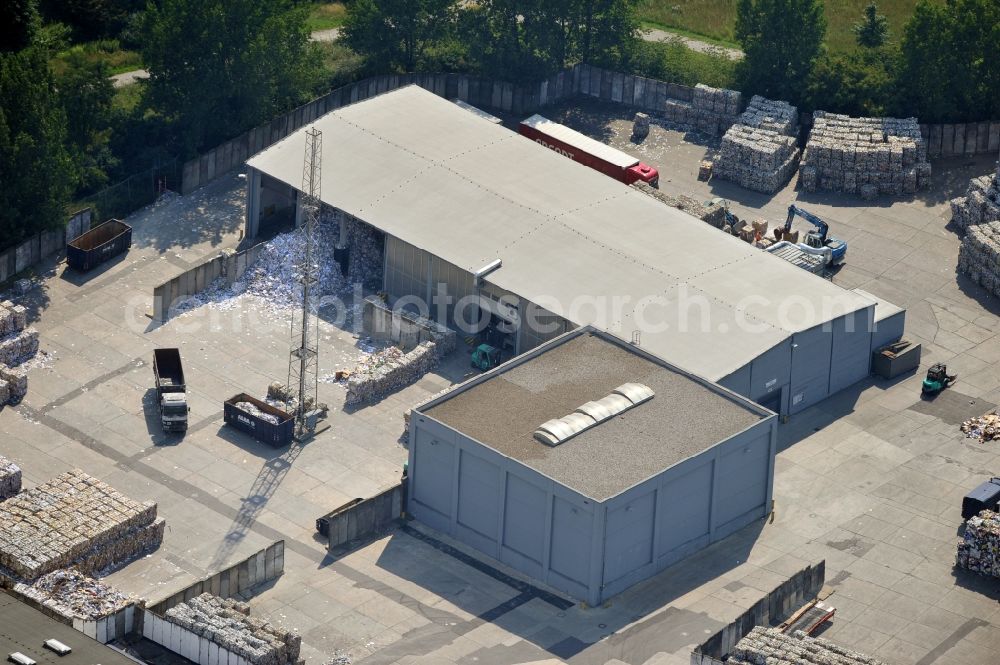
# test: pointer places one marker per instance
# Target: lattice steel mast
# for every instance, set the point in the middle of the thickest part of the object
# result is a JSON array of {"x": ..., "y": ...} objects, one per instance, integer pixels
[{"x": 303, "y": 360}]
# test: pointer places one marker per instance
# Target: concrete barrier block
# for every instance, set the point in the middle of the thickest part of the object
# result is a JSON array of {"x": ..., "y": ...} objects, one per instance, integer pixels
[
  {"x": 993, "y": 144},
  {"x": 934, "y": 141},
  {"x": 959, "y": 144},
  {"x": 971, "y": 138}
]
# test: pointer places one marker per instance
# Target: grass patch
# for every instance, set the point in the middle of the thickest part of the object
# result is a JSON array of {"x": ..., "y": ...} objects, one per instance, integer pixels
[
  {"x": 716, "y": 19},
  {"x": 109, "y": 51},
  {"x": 127, "y": 98},
  {"x": 326, "y": 16}
]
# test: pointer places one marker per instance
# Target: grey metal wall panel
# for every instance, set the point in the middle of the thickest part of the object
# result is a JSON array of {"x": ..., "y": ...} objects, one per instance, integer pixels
[
  {"x": 770, "y": 372},
  {"x": 569, "y": 556},
  {"x": 686, "y": 503},
  {"x": 810, "y": 380},
  {"x": 888, "y": 330},
  {"x": 524, "y": 524},
  {"x": 629, "y": 537},
  {"x": 432, "y": 460},
  {"x": 738, "y": 381},
  {"x": 851, "y": 353},
  {"x": 742, "y": 476},
  {"x": 479, "y": 498}
]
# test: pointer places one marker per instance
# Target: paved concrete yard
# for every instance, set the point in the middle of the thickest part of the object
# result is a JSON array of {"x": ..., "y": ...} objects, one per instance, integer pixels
[
  {"x": 870, "y": 480},
  {"x": 224, "y": 496}
]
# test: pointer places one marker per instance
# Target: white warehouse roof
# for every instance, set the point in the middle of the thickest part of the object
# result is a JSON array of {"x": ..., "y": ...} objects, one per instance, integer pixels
[{"x": 422, "y": 169}]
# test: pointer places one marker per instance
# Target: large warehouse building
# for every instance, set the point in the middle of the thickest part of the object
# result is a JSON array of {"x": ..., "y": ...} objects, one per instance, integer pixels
[
  {"x": 589, "y": 464},
  {"x": 468, "y": 207}
]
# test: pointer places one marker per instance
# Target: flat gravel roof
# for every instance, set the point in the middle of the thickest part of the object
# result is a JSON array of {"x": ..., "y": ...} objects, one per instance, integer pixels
[
  {"x": 25, "y": 629},
  {"x": 684, "y": 418}
]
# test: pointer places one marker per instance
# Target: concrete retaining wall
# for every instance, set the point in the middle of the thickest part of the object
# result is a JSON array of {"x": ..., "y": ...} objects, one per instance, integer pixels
[
  {"x": 404, "y": 329},
  {"x": 775, "y": 606},
  {"x": 183, "y": 642},
  {"x": 367, "y": 517},
  {"x": 231, "y": 266},
  {"x": 42, "y": 245},
  {"x": 264, "y": 566}
]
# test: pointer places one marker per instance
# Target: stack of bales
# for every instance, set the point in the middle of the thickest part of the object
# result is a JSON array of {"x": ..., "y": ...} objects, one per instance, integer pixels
[
  {"x": 711, "y": 111},
  {"x": 74, "y": 595},
  {"x": 10, "y": 478},
  {"x": 74, "y": 519},
  {"x": 389, "y": 369},
  {"x": 980, "y": 204},
  {"x": 763, "y": 646},
  {"x": 759, "y": 152},
  {"x": 865, "y": 156},
  {"x": 979, "y": 549},
  {"x": 228, "y": 624},
  {"x": 17, "y": 344},
  {"x": 979, "y": 255}
]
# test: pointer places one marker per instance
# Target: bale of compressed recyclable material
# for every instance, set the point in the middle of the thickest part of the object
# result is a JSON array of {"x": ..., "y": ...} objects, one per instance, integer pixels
[
  {"x": 979, "y": 549},
  {"x": 10, "y": 478},
  {"x": 73, "y": 520},
  {"x": 228, "y": 624},
  {"x": 72, "y": 594}
]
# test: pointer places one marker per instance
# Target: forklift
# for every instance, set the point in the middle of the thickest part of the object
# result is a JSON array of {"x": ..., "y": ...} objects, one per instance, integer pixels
[
  {"x": 937, "y": 379},
  {"x": 485, "y": 357}
]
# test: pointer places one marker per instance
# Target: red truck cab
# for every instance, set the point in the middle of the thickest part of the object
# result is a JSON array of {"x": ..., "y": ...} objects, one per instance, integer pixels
[{"x": 585, "y": 150}]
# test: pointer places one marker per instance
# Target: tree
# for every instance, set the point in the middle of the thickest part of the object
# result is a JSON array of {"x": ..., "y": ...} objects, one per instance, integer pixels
[
  {"x": 781, "y": 40},
  {"x": 20, "y": 21},
  {"x": 857, "y": 84},
  {"x": 873, "y": 31},
  {"x": 35, "y": 168},
  {"x": 394, "y": 34},
  {"x": 218, "y": 67},
  {"x": 91, "y": 19},
  {"x": 86, "y": 94},
  {"x": 607, "y": 31},
  {"x": 949, "y": 70}
]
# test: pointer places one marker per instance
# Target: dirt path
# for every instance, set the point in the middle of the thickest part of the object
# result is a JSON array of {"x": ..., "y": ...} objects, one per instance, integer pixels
[{"x": 655, "y": 35}]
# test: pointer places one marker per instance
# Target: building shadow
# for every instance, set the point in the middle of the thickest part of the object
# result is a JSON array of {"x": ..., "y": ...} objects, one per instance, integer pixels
[{"x": 428, "y": 559}]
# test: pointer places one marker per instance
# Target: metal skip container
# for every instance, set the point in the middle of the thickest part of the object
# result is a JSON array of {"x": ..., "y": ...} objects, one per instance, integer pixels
[
  {"x": 99, "y": 244},
  {"x": 276, "y": 435}
]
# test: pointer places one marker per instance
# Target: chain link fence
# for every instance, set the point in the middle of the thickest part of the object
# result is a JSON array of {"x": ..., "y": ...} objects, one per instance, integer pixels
[{"x": 123, "y": 198}]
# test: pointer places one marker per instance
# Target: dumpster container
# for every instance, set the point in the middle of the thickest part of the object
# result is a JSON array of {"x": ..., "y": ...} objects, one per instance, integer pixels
[
  {"x": 984, "y": 497},
  {"x": 99, "y": 244},
  {"x": 273, "y": 434}
]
